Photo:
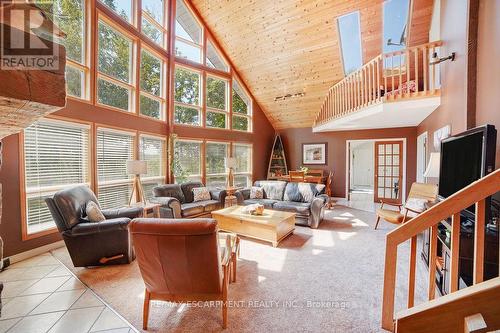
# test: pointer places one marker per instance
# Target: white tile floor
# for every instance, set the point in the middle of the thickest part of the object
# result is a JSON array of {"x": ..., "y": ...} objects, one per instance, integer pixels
[{"x": 41, "y": 295}]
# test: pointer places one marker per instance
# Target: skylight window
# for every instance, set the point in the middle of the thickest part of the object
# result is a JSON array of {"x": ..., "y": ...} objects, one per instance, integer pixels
[
  {"x": 395, "y": 24},
  {"x": 350, "y": 41}
]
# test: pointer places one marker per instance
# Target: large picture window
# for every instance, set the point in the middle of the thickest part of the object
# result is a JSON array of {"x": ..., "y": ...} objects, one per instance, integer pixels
[
  {"x": 243, "y": 171},
  {"x": 188, "y": 34},
  {"x": 115, "y": 68},
  {"x": 216, "y": 172},
  {"x": 152, "y": 150},
  {"x": 152, "y": 101},
  {"x": 114, "y": 149},
  {"x": 187, "y": 97},
  {"x": 124, "y": 8},
  {"x": 71, "y": 17},
  {"x": 214, "y": 59},
  {"x": 216, "y": 102},
  {"x": 56, "y": 156},
  {"x": 242, "y": 109},
  {"x": 154, "y": 21},
  {"x": 187, "y": 161}
]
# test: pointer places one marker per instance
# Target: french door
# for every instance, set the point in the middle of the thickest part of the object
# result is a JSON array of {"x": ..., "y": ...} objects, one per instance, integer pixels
[{"x": 388, "y": 171}]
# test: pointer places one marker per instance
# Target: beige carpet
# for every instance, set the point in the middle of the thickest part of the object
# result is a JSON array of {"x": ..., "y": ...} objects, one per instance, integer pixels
[{"x": 324, "y": 280}]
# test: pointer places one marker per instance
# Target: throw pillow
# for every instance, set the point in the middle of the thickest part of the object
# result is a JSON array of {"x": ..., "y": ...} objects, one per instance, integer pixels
[
  {"x": 416, "y": 204},
  {"x": 256, "y": 192},
  {"x": 94, "y": 213},
  {"x": 200, "y": 194}
]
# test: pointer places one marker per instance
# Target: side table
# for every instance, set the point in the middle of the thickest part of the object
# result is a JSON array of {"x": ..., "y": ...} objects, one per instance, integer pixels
[
  {"x": 230, "y": 199},
  {"x": 149, "y": 209}
]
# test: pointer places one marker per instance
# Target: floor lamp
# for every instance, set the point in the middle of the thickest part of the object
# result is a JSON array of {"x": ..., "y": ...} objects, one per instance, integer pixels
[
  {"x": 230, "y": 164},
  {"x": 137, "y": 168}
]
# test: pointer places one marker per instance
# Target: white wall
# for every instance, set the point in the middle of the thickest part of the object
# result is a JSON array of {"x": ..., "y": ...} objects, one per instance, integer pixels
[{"x": 362, "y": 164}]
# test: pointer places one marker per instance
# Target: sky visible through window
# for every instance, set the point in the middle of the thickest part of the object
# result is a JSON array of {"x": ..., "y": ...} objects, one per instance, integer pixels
[
  {"x": 350, "y": 41},
  {"x": 395, "y": 19}
]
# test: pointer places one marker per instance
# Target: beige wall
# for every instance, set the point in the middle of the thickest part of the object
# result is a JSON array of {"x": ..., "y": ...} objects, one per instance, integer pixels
[
  {"x": 453, "y": 108},
  {"x": 488, "y": 67}
]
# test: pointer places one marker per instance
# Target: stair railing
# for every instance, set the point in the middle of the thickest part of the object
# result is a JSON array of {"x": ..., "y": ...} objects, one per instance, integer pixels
[{"x": 474, "y": 194}]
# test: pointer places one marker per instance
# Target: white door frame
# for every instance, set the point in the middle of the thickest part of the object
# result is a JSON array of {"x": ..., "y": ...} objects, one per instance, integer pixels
[
  {"x": 403, "y": 197},
  {"x": 422, "y": 138}
]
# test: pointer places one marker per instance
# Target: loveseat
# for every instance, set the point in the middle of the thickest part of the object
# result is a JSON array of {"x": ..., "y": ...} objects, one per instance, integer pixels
[
  {"x": 307, "y": 200},
  {"x": 177, "y": 200}
]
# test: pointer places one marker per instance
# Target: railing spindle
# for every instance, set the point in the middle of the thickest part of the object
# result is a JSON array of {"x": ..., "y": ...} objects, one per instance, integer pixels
[
  {"x": 455, "y": 247},
  {"x": 432, "y": 262},
  {"x": 415, "y": 52},
  {"x": 411, "y": 274},
  {"x": 479, "y": 242},
  {"x": 425, "y": 54}
]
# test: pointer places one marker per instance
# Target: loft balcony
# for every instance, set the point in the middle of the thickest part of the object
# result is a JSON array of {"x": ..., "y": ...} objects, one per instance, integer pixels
[{"x": 395, "y": 89}]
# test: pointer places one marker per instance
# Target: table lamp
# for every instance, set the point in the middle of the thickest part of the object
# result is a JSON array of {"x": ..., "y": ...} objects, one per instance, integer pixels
[
  {"x": 137, "y": 168},
  {"x": 432, "y": 170},
  {"x": 230, "y": 164}
]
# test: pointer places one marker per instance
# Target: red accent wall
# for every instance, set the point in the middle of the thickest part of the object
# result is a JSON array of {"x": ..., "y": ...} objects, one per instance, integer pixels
[{"x": 336, "y": 158}]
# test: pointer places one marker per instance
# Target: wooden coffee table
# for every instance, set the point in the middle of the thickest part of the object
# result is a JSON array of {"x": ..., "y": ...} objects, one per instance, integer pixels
[{"x": 273, "y": 226}]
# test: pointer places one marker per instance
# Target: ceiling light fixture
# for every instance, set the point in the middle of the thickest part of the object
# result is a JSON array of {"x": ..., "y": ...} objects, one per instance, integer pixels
[{"x": 287, "y": 96}]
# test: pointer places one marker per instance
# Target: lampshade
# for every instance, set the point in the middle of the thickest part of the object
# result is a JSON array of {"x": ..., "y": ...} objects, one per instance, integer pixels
[
  {"x": 230, "y": 162},
  {"x": 432, "y": 170},
  {"x": 136, "y": 167}
]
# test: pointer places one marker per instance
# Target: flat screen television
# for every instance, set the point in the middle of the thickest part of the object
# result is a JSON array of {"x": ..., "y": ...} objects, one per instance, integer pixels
[{"x": 465, "y": 158}]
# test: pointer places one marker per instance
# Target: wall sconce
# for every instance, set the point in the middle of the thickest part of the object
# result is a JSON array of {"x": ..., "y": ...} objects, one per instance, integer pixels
[{"x": 440, "y": 60}]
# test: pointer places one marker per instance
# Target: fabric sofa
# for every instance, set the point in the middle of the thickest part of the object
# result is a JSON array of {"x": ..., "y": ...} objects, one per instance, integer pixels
[
  {"x": 177, "y": 200},
  {"x": 306, "y": 199},
  {"x": 89, "y": 243}
]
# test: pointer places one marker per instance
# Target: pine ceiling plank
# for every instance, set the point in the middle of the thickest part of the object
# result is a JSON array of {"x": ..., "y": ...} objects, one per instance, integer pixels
[{"x": 284, "y": 47}]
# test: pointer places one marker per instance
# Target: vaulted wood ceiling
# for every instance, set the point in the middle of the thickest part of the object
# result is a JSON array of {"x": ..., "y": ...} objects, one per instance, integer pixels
[{"x": 284, "y": 47}]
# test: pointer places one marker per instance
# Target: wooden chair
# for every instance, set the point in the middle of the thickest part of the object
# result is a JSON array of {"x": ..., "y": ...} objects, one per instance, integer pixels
[
  {"x": 180, "y": 261},
  {"x": 419, "y": 191},
  {"x": 297, "y": 176},
  {"x": 330, "y": 203}
]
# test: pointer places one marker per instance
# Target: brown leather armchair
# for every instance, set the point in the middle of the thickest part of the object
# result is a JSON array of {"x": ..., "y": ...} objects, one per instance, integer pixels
[
  {"x": 88, "y": 243},
  {"x": 180, "y": 261}
]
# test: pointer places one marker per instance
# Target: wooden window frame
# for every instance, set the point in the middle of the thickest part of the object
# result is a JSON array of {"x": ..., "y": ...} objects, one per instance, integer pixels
[
  {"x": 209, "y": 40},
  {"x": 228, "y": 154},
  {"x": 207, "y": 109},
  {"x": 134, "y": 152},
  {"x": 249, "y": 115},
  {"x": 176, "y": 38},
  {"x": 201, "y": 142},
  {"x": 25, "y": 236},
  {"x": 134, "y": 12},
  {"x": 134, "y": 62},
  {"x": 163, "y": 27},
  {"x": 163, "y": 176},
  {"x": 163, "y": 80},
  {"x": 233, "y": 149},
  {"x": 201, "y": 99},
  {"x": 87, "y": 49}
]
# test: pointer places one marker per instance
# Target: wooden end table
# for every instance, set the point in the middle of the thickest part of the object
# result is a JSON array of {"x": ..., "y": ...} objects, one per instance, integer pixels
[{"x": 149, "y": 209}]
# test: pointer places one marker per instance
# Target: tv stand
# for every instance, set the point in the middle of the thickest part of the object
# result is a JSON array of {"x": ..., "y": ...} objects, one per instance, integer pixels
[{"x": 466, "y": 253}]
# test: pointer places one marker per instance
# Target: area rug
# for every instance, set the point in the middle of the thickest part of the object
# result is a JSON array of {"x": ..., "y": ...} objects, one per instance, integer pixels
[{"x": 325, "y": 280}]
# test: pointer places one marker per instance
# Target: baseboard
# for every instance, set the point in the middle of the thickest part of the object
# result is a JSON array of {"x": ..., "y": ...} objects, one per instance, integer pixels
[{"x": 36, "y": 251}]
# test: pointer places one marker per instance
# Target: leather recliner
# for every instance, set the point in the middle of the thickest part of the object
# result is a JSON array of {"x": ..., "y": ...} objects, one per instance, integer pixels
[
  {"x": 180, "y": 261},
  {"x": 91, "y": 243}
]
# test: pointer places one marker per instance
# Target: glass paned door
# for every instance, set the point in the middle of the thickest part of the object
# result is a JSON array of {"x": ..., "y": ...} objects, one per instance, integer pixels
[{"x": 388, "y": 171}]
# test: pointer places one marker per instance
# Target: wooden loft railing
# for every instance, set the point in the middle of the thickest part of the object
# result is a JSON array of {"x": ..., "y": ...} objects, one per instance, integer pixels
[
  {"x": 389, "y": 77},
  {"x": 475, "y": 193}
]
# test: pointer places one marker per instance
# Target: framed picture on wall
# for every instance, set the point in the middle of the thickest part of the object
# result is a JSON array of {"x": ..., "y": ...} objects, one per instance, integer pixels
[{"x": 314, "y": 153}]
